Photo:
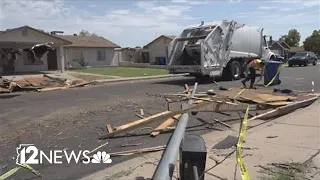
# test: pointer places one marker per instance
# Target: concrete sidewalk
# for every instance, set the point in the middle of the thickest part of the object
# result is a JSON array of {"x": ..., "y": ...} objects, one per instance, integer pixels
[{"x": 292, "y": 138}]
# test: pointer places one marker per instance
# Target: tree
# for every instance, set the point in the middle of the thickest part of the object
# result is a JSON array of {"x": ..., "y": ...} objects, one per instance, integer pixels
[
  {"x": 312, "y": 43},
  {"x": 292, "y": 38},
  {"x": 86, "y": 33}
]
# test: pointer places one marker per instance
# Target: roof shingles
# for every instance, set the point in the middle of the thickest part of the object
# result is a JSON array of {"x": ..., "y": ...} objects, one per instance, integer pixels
[{"x": 88, "y": 41}]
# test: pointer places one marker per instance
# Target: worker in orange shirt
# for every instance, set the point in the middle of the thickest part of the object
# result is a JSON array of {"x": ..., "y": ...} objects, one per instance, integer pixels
[{"x": 250, "y": 72}]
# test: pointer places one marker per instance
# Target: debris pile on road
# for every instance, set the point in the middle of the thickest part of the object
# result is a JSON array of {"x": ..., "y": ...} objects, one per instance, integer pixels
[
  {"x": 266, "y": 103},
  {"x": 38, "y": 83}
]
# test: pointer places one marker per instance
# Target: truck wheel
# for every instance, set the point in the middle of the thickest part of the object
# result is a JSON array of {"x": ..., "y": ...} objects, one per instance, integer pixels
[{"x": 235, "y": 70}]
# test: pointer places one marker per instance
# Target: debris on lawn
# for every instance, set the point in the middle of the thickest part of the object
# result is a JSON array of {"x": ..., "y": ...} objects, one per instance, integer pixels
[{"x": 38, "y": 83}]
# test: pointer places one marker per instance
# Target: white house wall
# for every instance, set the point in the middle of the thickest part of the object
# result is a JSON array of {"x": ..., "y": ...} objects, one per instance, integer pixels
[{"x": 90, "y": 55}]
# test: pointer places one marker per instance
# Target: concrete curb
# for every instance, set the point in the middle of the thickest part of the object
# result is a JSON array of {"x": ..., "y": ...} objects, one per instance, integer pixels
[{"x": 139, "y": 78}]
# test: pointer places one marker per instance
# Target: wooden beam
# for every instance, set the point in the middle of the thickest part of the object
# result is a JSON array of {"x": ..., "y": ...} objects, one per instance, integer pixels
[
  {"x": 109, "y": 128},
  {"x": 150, "y": 119},
  {"x": 164, "y": 125}
]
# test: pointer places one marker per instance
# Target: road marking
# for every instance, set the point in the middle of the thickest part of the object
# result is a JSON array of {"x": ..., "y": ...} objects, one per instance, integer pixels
[
  {"x": 286, "y": 78},
  {"x": 299, "y": 79}
]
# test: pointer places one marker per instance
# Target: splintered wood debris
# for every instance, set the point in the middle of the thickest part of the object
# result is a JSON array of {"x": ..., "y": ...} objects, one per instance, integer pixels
[
  {"x": 38, "y": 83},
  {"x": 217, "y": 101}
]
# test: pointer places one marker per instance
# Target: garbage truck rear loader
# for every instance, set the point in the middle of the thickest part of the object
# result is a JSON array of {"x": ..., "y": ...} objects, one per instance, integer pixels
[{"x": 220, "y": 48}]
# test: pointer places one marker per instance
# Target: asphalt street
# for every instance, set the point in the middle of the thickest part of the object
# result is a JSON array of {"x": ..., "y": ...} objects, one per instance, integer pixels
[{"x": 73, "y": 119}]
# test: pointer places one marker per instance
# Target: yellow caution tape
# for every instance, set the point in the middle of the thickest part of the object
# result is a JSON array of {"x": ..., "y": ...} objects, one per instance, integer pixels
[
  {"x": 14, "y": 170},
  {"x": 9, "y": 173},
  {"x": 243, "y": 129},
  {"x": 270, "y": 82},
  {"x": 31, "y": 169},
  {"x": 235, "y": 97}
]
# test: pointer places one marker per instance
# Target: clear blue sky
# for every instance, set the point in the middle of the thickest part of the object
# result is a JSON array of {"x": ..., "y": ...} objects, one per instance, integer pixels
[{"x": 135, "y": 23}]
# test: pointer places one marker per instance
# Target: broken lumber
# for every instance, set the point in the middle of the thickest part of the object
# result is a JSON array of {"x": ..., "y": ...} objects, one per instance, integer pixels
[
  {"x": 109, "y": 128},
  {"x": 138, "y": 151},
  {"x": 127, "y": 145},
  {"x": 96, "y": 149},
  {"x": 150, "y": 119},
  {"x": 222, "y": 123},
  {"x": 51, "y": 89},
  {"x": 80, "y": 84},
  {"x": 284, "y": 109},
  {"x": 164, "y": 125},
  {"x": 140, "y": 116},
  {"x": 135, "y": 151},
  {"x": 187, "y": 90},
  {"x": 141, "y": 112}
]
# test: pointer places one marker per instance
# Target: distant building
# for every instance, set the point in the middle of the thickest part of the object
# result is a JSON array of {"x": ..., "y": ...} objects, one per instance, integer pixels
[
  {"x": 283, "y": 49},
  {"x": 69, "y": 51},
  {"x": 156, "y": 50}
]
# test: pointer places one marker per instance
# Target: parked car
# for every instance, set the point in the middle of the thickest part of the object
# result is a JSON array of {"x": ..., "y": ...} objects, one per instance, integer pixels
[{"x": 303, "y": 58}]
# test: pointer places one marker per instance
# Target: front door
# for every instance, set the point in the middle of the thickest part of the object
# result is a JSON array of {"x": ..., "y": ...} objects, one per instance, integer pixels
[{"x": 52, "y": 60}]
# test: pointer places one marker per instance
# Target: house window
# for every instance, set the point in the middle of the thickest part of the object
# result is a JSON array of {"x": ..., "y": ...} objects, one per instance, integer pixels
[
  {"x": 101, "y": 55},
  {"x": 24, "y": 32}
]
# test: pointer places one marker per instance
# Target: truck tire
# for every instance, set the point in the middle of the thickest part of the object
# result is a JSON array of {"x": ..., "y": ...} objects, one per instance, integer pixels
[{"x": 235, "y": 70}]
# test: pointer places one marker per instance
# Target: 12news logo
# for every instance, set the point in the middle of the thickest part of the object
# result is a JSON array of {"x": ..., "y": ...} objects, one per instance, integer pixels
[{"x": 29, "y": 154}]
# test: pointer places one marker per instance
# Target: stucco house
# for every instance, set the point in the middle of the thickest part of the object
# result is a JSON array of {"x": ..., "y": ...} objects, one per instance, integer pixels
[
  {"x": 90, "y": 51},
  {"x": 157, "y": 49},
  {"x": 281, "y": 48},
  {"x": 284, "y": 50},
  {"x": 25, "y": 37}
]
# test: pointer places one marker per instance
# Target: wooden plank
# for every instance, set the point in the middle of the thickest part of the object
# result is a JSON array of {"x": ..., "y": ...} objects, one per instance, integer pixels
[
  {"x": 80, "y": 84},
  {"x": 109, "y": 128},
  {"x": 141, "y": 112},
  {"x": 51, "y": 89},
  {"x": 208, "y": 108},
  {"x": 149, "y": 119},
  {"x": 274, "y": 98},
  {"x": 138, "y": 151},
  {"x": 187, "y": 90},
  {"x": 164, "y": 125}
]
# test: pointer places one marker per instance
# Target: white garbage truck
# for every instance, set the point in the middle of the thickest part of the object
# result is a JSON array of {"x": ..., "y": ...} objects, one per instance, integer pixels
[{"x": 219, "y": 48}]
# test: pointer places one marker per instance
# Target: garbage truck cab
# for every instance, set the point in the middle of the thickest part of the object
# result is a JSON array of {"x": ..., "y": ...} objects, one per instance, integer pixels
[{"x": 219, "y": 48}]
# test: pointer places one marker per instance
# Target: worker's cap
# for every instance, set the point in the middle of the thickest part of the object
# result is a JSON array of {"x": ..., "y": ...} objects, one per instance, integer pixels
[{"x": 259, "y": 61}]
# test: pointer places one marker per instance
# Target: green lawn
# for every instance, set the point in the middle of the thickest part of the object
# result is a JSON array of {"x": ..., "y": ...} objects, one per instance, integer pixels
[{"x": 124, "y": 71}]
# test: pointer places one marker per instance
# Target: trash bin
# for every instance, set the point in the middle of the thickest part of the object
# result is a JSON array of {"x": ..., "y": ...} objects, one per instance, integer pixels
[
  {"x": 271, "y": 71},
  {"x": 162, "y": 61}
]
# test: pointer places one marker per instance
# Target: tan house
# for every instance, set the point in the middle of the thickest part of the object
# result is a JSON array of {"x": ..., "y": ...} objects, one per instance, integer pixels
[
  {"x": 157, "y": 50},
  {"x": 283, "y": 49},
  {"x": 25, "y": 37},
  {"x": 90, "y": 51}
]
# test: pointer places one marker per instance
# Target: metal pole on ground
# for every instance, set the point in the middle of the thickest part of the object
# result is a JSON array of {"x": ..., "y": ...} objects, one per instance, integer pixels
[{"x": 168, "y": 160}]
